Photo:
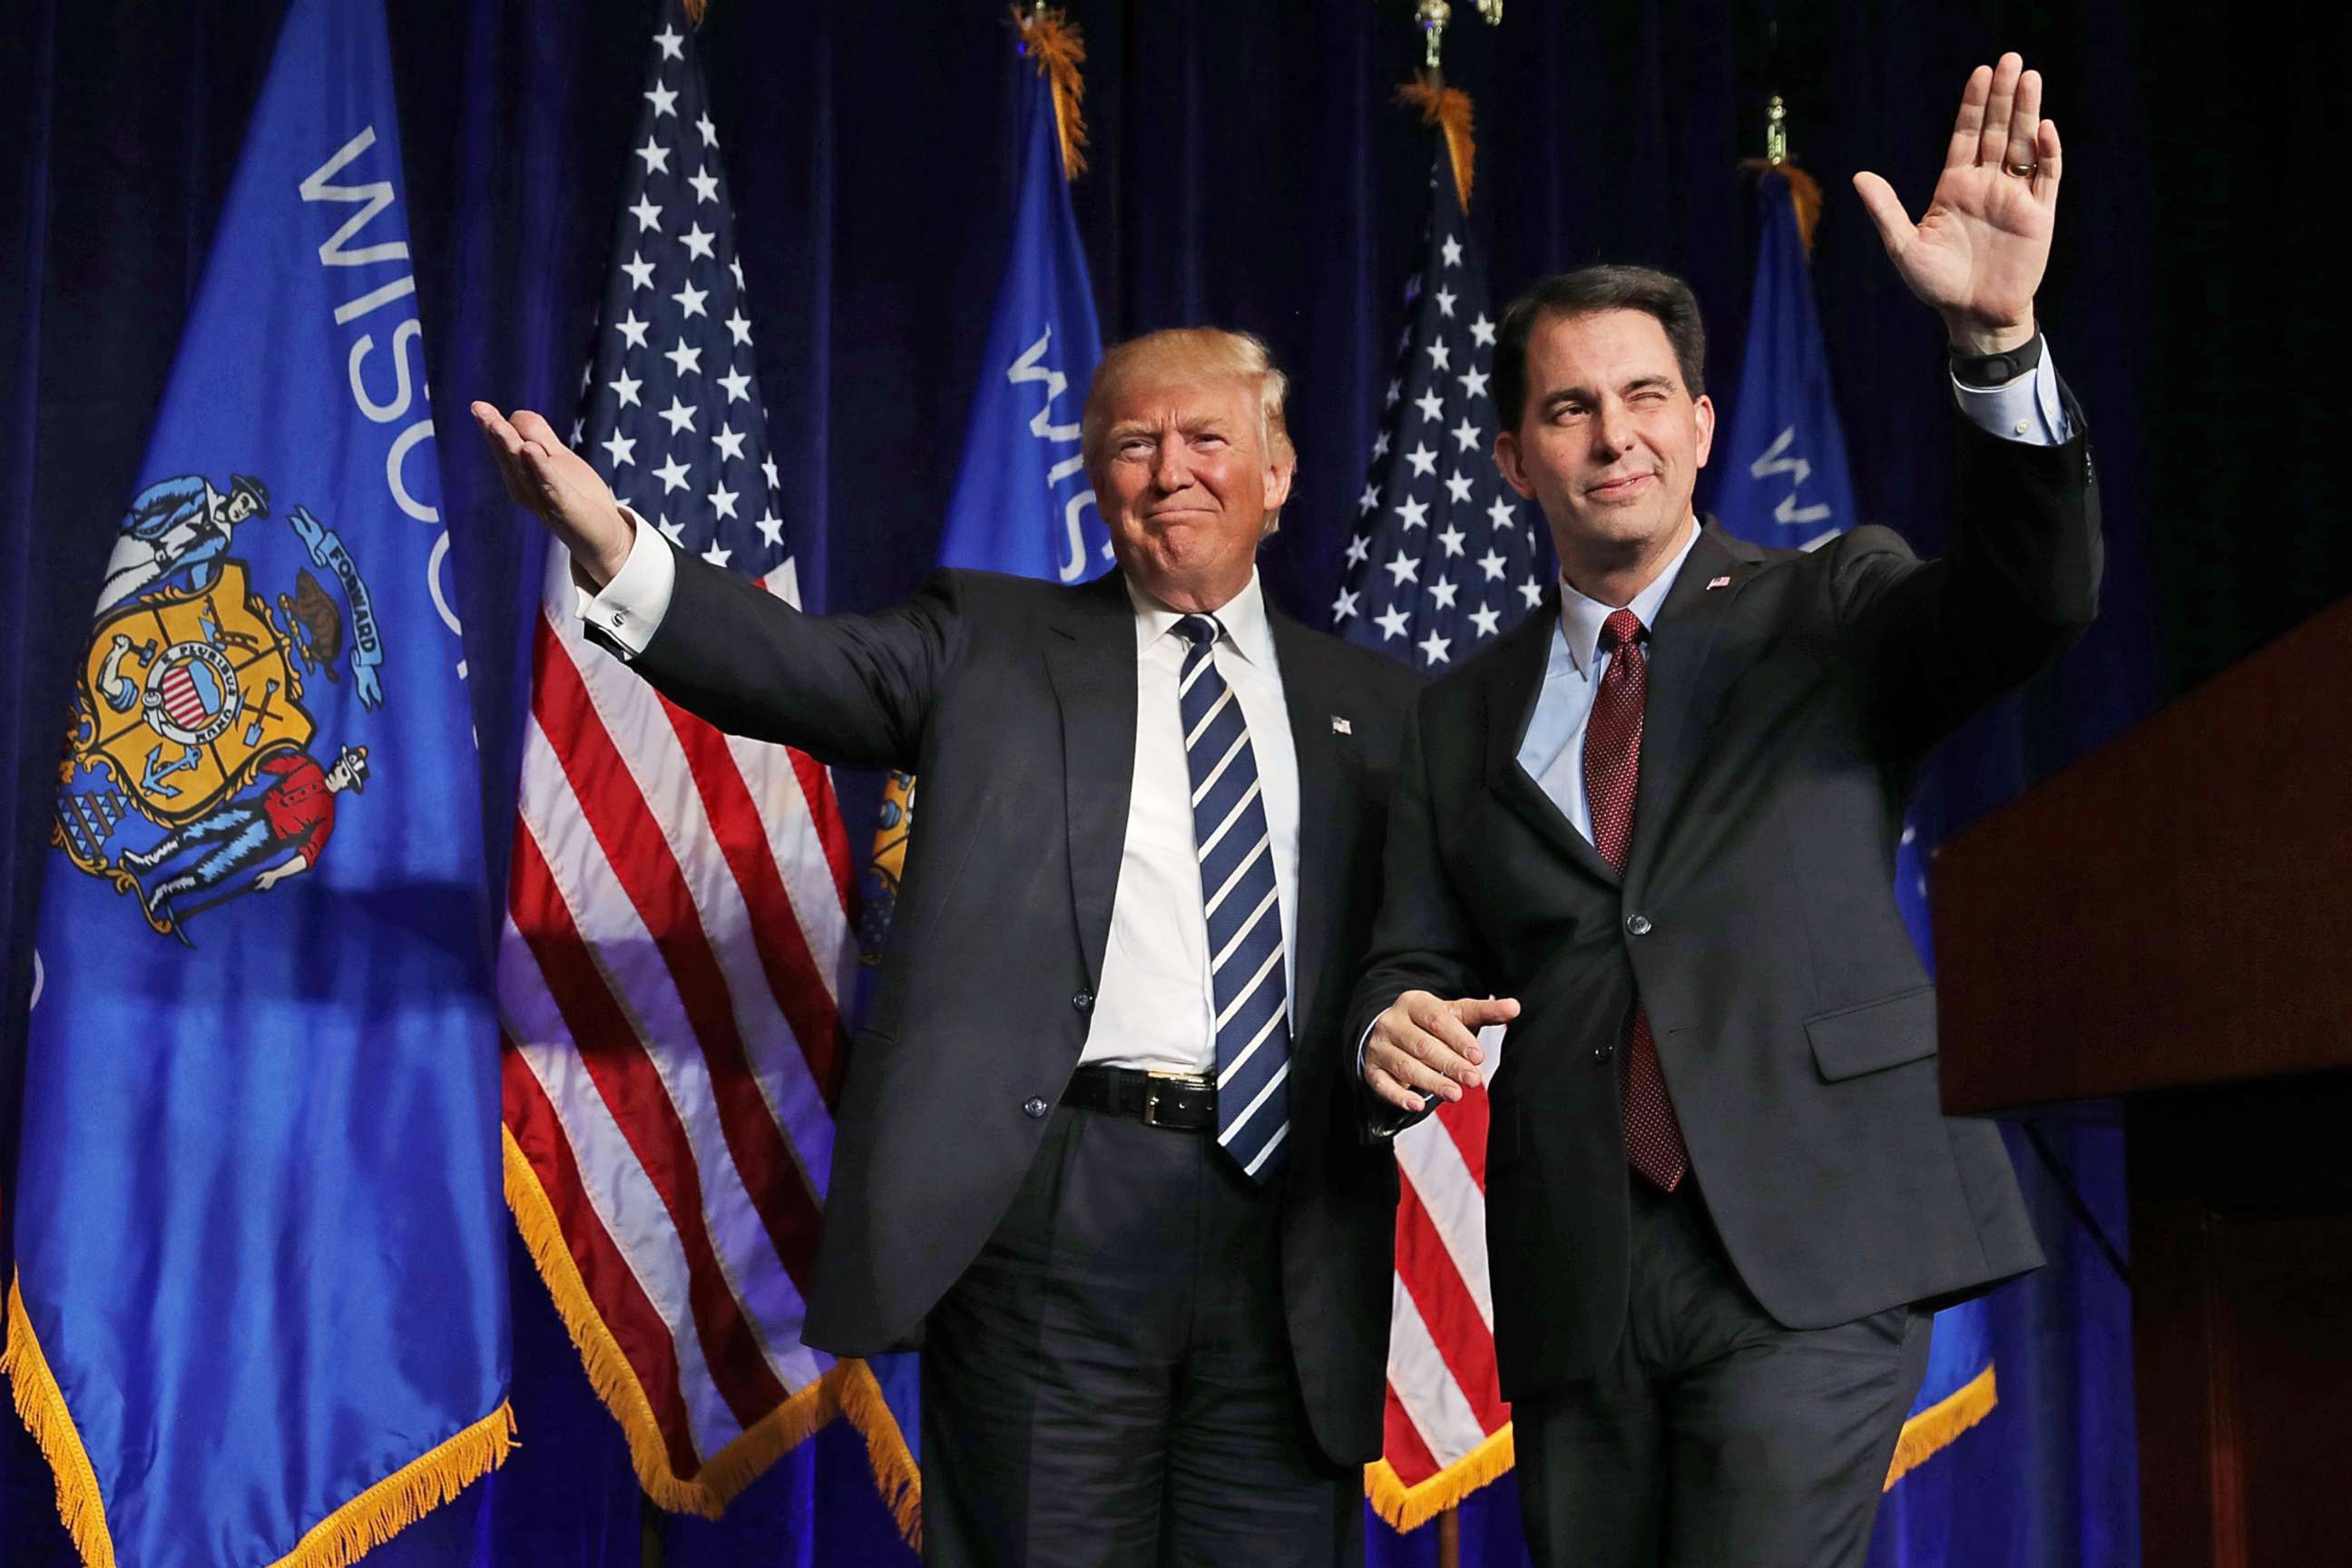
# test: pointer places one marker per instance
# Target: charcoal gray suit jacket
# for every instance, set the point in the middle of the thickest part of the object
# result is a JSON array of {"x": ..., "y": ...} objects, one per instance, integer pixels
[
  {"x": 1791, "y": 698},
  {"x": 1015, "y": 702}
]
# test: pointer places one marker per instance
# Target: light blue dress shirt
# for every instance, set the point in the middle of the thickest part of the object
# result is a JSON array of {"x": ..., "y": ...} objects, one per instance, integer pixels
[
  {"x": 1553, "y": 749},
  {"x": 2027, "y": 409}
]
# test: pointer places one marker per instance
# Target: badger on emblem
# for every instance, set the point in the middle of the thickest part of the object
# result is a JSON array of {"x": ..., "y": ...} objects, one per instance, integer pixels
[{"x": 318, "y": 622}]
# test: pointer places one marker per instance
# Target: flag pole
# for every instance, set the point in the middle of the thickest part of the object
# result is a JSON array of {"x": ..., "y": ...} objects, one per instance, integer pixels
[{"x": 1448, "y": 110}]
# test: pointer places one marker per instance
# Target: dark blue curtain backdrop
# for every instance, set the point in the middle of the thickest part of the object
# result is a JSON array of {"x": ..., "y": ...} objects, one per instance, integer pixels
[{"x": 1249, "y": 168}]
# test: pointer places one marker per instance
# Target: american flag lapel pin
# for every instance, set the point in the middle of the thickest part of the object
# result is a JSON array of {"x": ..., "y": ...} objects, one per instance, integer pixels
[
  {"x": 1715, "y": 582},
  {"x": 1340, "y": 726}
]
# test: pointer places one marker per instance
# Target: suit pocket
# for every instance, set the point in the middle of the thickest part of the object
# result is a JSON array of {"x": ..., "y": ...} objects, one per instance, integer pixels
[{"x": 1874, "y": 1036}]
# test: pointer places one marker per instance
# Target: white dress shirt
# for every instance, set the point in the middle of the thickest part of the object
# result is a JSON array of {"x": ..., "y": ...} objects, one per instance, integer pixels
[{"x": 1153, "y": 1006}]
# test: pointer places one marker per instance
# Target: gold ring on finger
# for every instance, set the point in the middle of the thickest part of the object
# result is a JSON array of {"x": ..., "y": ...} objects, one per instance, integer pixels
[{"x": 2022, "y": 171}]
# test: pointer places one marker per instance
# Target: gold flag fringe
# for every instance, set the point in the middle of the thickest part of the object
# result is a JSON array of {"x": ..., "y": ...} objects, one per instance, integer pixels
[
  {"x": 1447, "y": 109},
  {"x": 695, "y": 11},
  {"x": 894, "y": 1471},
  {"x": 1408, "y": 1507},
  {"x": 338, "y": 1541},
  {"x": 1059, "y": 49},
  {"x": 42, "y": 1406},
  {"x": 406, "y": 1495},
  {"x": 1804, "y": 195},
  {"x": 1933, "y": 1429},
  {"x": 848, "y": 1387}
]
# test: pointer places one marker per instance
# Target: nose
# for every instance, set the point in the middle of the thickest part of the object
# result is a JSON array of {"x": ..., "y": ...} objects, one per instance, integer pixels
[
  {"x": 1172, "y": 468},
  {"x": 1612, "y": 430}
]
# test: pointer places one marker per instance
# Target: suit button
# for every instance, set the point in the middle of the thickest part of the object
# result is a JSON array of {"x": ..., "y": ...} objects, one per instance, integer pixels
[
  {"x": 1637, "y": 925},
  {"x": 1033, "y": 1107},
  {"x": 1605, "y": 1053},
  {"x": 1083, "y": 1001}
]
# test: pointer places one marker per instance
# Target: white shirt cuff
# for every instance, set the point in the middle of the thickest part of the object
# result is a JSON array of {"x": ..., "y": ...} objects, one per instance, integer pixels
[
  {"x": 630, "y": 609},
  {"x": 2027, "y": 409}
]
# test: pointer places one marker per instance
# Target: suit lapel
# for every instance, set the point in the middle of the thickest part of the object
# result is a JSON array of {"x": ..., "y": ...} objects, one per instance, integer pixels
[
  {"x": 1693, "y": 616},
  {"x": 1090, "y": 655},
  {"x": 1513, "y": 686},
  {"x": 1326, "y": 797}
]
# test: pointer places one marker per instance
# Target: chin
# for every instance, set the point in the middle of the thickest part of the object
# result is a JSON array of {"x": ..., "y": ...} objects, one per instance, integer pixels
[{"x": 1625, "y": 531}]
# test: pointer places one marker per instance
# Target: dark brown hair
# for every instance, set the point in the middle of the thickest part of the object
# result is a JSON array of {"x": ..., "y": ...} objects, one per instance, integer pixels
[{"x": 1587, "y": 291}]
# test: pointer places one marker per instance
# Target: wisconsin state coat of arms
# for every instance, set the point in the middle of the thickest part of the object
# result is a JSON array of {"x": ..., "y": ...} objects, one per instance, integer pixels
[{"x": 192, "y": 774}]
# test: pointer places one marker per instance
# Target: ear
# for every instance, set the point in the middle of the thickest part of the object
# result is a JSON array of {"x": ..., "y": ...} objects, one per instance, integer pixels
[
  {"x": 1506, "y": 457},
  {"x": 1280, "y": 469},
  {"x": 1703, "y": 414}
]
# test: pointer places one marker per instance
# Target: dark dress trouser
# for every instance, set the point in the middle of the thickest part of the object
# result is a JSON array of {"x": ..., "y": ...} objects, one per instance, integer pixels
[
  {"x": 1111, "y": 1383},
  {"x": 1715, "y": 1436}
]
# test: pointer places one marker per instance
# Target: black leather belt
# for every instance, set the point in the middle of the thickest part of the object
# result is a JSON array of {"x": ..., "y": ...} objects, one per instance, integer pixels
[{"x": 1179, "y": 1102}]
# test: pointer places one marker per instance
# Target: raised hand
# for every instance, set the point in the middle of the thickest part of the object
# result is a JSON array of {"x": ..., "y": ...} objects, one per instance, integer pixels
[
  {"x": 1977, "y": 256},
  {"x": 547, "y": 477},
  {"x": 1424, "y": 1045}
]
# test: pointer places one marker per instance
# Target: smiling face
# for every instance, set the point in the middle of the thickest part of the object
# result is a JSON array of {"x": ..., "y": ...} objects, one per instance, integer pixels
[
  {"x": 1609, "y": 445},
  {"x": 1187, "y": 481}
]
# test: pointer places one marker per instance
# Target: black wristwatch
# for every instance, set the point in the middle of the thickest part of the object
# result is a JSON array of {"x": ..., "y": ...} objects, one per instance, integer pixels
[{"x": 1985, "y": 371}]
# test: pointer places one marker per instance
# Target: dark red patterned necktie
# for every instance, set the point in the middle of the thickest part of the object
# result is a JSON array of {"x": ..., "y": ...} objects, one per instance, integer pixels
[{"x": 1613, "y": 772}]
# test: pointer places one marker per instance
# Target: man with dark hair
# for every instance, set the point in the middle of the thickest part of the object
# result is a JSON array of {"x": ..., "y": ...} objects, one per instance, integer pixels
[
  {"x": 1592, "y": 291},
  {"x": 1659, "y": 826}
]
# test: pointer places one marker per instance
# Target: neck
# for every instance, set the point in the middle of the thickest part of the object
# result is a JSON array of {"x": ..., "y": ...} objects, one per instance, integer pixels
[
  {"x": 1617, "y": 578},
  {"x": 1192, "y": 598}
]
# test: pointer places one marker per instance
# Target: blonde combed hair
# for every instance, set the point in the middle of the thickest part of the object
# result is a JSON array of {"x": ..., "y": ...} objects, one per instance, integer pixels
[{"x": 1188, "y": 353}]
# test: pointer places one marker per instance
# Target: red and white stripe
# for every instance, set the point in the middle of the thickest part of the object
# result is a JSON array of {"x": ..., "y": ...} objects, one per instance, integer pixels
[
  {"x": 671, "y": 975},
  {"x": 1443, "y": 1402}
]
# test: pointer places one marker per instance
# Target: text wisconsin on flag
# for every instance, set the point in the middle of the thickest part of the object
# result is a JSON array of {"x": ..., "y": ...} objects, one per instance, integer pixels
[{"x": 677, "y": 947}]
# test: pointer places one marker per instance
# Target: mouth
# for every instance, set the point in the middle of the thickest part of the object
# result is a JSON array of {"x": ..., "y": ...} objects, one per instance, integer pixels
[{"x": 1619, "y": 488}]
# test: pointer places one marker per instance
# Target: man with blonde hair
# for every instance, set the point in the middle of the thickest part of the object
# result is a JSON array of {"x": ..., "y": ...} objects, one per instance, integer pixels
[{"x": 1099, "y": 1150}]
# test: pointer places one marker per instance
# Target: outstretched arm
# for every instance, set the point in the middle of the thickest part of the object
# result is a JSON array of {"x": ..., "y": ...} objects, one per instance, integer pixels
[
  {"x": 849, "y": 689},
  {"x": 1942, "y": 637}
]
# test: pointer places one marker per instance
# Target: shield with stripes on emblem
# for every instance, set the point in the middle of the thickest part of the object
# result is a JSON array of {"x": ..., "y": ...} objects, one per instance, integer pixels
[{"x": 182, "y": 691}]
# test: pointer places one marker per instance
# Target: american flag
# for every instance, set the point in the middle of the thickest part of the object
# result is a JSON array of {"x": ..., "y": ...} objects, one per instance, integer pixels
[
  {"x": 1443, "y": 557},
  {"x": 677, "y": 942}
]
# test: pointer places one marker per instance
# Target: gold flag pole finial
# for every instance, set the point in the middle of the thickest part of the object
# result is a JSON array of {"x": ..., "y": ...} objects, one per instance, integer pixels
[
  {"x": 1445, "y": 108},
  {"x": 1805, "y": 194},
  {"x": 1059, "y": 48},
  {"x": 1431, "y": 18},
  {"x": 1432, "y": 15}
]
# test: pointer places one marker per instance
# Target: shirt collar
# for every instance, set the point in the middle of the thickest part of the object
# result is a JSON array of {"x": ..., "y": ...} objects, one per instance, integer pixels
[
  {"x": 1581, "y": 618},
  {"x": 1243, "y": 617}
]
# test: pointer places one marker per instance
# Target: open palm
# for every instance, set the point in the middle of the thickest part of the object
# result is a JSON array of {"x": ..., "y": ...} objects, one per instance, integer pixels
[
  {"x": 544, "y": 475},
  {"x": 1977, "y": 255}
]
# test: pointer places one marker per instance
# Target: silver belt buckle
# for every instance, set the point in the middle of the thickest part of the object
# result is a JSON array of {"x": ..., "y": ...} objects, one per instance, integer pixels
[{"x": 1152, "y": 1080}]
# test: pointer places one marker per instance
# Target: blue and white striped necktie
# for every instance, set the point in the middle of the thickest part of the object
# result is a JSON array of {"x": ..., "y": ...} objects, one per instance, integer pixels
[{"x": 1239, "y": 892}]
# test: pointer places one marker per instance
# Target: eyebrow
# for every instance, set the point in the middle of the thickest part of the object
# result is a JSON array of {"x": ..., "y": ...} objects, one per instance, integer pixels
[
  {"x": 1198, "y": 424},
  {"x": 1559, "y": 395}
]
